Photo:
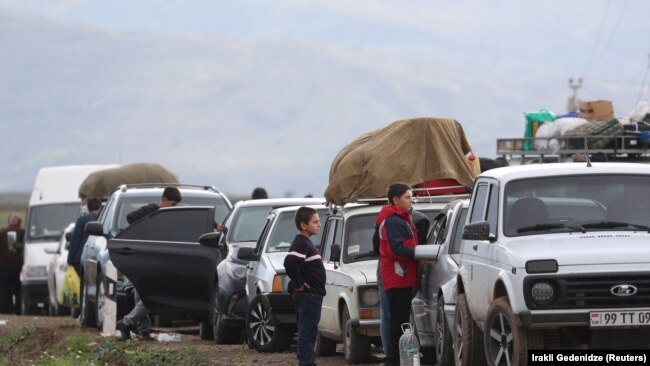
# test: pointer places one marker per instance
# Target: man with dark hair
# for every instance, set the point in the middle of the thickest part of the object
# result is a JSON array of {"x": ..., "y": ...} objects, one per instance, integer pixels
[
  {"x": 11, "y": 262},
  {"x": 79, "y": 235},
  {"x": 138, "y": 319},
  {"x": 259, "y": 193},
  {"x": 171, "y": 197},
  {"x": 305, "y": 268}
]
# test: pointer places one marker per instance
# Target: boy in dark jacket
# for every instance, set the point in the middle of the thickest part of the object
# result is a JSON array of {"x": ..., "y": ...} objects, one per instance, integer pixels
[{"x": 304, "y": 267}]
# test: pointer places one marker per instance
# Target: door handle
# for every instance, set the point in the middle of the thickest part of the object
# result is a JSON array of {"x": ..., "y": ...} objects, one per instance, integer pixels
[
  {"x": 475, "y": 246},
  {"x": 126, "y": 251}
]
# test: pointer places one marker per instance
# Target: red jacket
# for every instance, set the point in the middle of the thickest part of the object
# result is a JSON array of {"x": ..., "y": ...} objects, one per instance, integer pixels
[{"x": 397, "y": 241}]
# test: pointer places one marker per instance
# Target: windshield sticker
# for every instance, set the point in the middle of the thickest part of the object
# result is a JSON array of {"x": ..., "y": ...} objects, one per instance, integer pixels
[{"x": 352, "y": 249}]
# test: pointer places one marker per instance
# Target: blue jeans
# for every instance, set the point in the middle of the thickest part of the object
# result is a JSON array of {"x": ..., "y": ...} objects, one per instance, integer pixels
[
  {"x": 308, "y": 308},
  {"x": 384, "y": 316}
]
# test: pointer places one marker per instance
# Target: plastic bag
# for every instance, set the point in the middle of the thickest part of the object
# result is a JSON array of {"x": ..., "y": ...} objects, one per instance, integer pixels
[{"x": 71, "y": 288}]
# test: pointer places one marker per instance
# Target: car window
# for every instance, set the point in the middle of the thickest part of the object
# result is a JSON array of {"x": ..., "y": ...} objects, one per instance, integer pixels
[
  {"x": 492, "y": 209},
  {"x": 285, "y": 231},
  {"x": 359, "y": 230},
  {"x": 49, "y": 221},
  {"x": 247, "y": 226},
  {"x": 332, "y": 236},
  {"x": 185, "y": 225},
  {"x": 262, "y": 239},
  {"x": 437, "y": 235},
  {"x": 480, "y": 197},
  {"x": 458, "y": 232}
]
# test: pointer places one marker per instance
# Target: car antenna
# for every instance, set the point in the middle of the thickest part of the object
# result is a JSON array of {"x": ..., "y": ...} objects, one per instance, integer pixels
[{"x": 587, "y": 153}]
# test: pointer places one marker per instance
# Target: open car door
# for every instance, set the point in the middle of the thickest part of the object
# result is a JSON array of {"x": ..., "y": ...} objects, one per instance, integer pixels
[{"x": 161, "y": 255}]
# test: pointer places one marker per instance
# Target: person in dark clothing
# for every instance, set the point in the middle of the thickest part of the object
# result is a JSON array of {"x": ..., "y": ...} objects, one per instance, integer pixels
[
  {"x": 79, "y": 235},
  {"x": 259, "y": 193},
  {"x": 11, "y": 263},
  {"x": 138, "y": 319},
  {"x": 171, "y": 197},
  {"x": 397, "y": 240},
  {"x": 306, "y": 271}
]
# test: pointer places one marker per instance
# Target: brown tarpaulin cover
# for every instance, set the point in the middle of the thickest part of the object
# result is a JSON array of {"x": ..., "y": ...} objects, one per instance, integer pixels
[
  {"x": 102, "y": 183},
  {"x": 411, "y": 151}
]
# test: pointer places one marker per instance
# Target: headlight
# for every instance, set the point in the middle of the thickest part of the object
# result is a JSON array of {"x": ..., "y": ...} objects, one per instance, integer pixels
[
  {"x": 542, "y": 293},
  {"x": 235, "y": 271},
  {"x": 370, "y": 297},
  {"x": 35, "y": 271}
]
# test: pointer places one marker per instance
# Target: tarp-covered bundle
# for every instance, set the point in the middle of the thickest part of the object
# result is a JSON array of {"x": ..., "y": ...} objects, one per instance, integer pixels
[
  {"x": 102, "y": 183},
  {"x": 411, "y": 151}
]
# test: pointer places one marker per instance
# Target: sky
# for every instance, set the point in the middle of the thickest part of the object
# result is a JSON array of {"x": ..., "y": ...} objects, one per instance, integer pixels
[{"x": 240, "y": 94}]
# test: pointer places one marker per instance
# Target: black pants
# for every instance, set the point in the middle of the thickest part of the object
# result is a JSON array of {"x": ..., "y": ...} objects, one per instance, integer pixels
[
  {"x": 10, "y": 289},
  {"x": 399, "y": 300}
]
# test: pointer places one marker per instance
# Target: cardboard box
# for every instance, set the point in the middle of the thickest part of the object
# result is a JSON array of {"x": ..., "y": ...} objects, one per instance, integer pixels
[{"x": 597, "y": 110}]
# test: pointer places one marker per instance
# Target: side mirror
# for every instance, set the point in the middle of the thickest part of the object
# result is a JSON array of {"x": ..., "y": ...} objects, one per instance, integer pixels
[
  {"x": 94, "y": 228},
  {"x": 68, "y": 236},
  {"x": 427, "y": 252},
  {"x": 479, "y": 230},
  {"x": 14, "y": 243},
  {"x": 335, "y": 255},
  {"x": 210, "y": 240},
  {"x": 247, "y": 254}
]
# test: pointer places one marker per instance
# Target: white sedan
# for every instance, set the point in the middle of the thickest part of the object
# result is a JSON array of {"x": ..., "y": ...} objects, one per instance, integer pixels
[{"x": 56, "y": 274}]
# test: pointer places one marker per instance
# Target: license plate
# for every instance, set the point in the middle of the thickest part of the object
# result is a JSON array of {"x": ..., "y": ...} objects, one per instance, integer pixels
[{"x": 619, "y": 318}]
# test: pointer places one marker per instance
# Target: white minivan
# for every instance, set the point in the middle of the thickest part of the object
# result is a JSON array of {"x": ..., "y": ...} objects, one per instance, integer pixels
[{"x": 53, "y": 204}]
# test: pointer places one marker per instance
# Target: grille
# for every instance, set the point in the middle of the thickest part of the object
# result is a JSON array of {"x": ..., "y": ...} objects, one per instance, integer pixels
[{"x": 593, "y": 291}]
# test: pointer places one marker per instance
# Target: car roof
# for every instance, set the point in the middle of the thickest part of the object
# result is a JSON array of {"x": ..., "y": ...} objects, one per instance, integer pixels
[
  {"x": 363, "y": 209},
  {"x": 280, "y": 201},
  {"x": 555, "y": 169},
  {"x": 280, "y": 210}
]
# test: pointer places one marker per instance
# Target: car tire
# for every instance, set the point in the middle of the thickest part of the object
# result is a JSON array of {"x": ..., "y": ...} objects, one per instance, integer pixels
[
  {"x": 505, "y": 341},
  {"x": 205, "y": 331},
  {"x": 262, "y": 332},
  {"x": 87, "y": 310},
  {"x": 25, "y": 309},
  {"x": 355, "y": 346},
  {"x": 325, "y": 347},
  {"x": 427, "y": 354},
  {"x": 222, "y": 334},
  {"x": 99, "y": 306},
  {"x": 467, "y": 336},
  {"x": 444, "y": 352}
]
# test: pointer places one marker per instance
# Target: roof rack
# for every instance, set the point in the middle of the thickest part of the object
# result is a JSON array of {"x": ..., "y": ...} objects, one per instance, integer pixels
[{"x": 123, "y": 187}]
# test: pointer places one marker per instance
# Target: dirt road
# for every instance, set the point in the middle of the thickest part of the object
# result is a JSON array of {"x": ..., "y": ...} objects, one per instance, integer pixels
[{"x": 47, "y": 340}]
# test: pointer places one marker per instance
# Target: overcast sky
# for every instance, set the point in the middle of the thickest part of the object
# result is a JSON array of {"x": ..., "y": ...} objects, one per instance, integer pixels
[{"x": 245, "y": 93}]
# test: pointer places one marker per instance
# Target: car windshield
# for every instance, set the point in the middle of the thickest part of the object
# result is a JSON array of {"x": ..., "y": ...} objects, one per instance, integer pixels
[
  {"x": 358, "y": 238},
  {"x": 285, "y": 231},
  {"x": 49, "y": 221},
  {"x": 249, "y": 223},
  {"x": 577, "y": 204},
  {"x": 133, "y": 202}
]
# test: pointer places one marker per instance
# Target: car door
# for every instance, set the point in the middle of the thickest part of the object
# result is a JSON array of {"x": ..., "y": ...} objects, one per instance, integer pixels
[
  {"x": 160, "y": 254},
  {"x": 255, "y": 274},
  {"x": 331, "y": 243}
]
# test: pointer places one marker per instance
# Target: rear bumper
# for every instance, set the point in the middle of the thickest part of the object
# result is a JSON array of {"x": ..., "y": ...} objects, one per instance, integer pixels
[{"x": 36, "y": 293}]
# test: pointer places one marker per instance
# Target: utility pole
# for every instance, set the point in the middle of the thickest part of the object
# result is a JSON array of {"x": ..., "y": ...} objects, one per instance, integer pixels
[{"x": 572, "y": 104}]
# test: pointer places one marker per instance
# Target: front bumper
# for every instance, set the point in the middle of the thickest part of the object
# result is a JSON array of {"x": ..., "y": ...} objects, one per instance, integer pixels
[{"x": 541, "y": 319}]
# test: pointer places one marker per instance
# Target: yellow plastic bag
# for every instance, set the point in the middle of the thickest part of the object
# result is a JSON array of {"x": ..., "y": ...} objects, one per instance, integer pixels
[{"x": 71, "y": 288}]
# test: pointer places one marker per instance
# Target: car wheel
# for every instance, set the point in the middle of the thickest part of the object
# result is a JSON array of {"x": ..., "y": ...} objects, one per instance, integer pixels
[
  {"x": 467, "y": 336},
  {"x": 101, "y": 296},
  {"x": 428, "y": 355},
  {"x": 325, "y": 347},
  {"x": 222, "y": 334},
  {"x": 355, "y": 346},
  {"x": 442, "y": 336},
  {"x": 87, "y": 313},
  {"x": 205, "y": 331},
  {"x": 262, "y": 332},
  {"x": 506, "y": 342}
]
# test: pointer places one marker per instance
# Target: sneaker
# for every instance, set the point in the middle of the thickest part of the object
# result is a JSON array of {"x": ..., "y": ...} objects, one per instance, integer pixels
[{"x": 125, "y": 330}]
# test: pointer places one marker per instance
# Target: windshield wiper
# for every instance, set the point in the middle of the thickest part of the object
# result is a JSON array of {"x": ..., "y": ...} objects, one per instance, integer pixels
[
  {"x": 548, "y": 226},
  {"x": 614, "y": 224},
  {"x": 364, "y": 255}
]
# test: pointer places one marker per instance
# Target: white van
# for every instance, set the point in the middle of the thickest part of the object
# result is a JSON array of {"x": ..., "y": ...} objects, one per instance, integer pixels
[{"x": 54, "y": 203}]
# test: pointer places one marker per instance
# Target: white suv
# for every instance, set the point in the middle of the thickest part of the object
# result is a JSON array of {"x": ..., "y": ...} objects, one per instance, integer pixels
[
  {"x": 350, "y": 312},
  {"x": 555, "y": 256}
]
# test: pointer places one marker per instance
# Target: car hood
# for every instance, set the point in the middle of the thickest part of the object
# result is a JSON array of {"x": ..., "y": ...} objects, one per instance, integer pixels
[
  {"x": 277, "y": 261},
  {"x": 363, "y": 271},
  {"x": 600, "y": 248}
]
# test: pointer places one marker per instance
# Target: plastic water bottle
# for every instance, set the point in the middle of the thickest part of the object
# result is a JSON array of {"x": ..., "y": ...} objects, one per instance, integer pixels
[
  {"x": 409, "y": 348},
  {"x": 167, "y": 337}
]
